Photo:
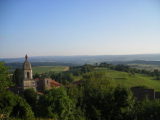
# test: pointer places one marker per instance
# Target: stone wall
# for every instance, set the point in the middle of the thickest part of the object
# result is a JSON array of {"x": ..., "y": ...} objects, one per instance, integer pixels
[
  {"x": 142, "y": 93},
  {"x": 27, "y": 84}
]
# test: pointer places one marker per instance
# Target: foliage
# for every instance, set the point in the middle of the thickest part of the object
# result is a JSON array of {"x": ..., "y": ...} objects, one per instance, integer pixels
[
  {"x": 56, "y": 104},
  {"x": 147, "y": 110},
  {"x": 98, "y": 100},
  {"x": 36, "y": 75},
  {"x": 22, "y": 109},
  {"x": 14, "y": 106},
  {"x": 101, "y": 101},
  {"x": 31, "y": 97},
  {"x": 7, "y": 101},
  {"x": 79, "y": 70},
  {"x": 5, "y": 81},
  {"x": 64, "y": 78},
  {"x": 18, "y": 77}
]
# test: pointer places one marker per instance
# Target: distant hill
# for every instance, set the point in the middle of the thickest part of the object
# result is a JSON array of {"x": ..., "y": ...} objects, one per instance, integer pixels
[
  {"x": 147, "y": 58},
  {"x": 15, "y": 65},
  {"x": 136, "y": 62}
]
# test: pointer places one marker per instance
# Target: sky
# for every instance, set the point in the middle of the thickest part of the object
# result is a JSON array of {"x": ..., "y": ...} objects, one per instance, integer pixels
[{"x": 79, "y": 27}]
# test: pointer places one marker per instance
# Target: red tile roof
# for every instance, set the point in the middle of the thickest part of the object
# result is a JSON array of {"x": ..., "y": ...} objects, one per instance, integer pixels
[{"x": 54, "y": 83}]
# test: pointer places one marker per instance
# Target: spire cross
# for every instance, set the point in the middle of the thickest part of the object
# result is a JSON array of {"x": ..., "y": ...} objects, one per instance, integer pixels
[{"x": 26, "y": 57}]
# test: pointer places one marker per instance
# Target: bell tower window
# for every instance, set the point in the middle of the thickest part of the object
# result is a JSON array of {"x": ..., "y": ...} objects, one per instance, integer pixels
[{"x": 27, "y": 75}]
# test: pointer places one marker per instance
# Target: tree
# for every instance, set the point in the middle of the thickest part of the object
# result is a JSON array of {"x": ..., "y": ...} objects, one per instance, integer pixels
[
  {"x": 67, "y": 78},
  {"x": 87, "y": 68},
  {"x": 12, "y": 105},
  {"x": 36, "y": 75},
  {"x": 7, "y": 101},
  {"x": 18, "y": 77},
  {"x": 56, "y": 104},
  {"x": 63, "y": 77},
  {"x": 156, "y": 73},
  {"x": 148, "y": 110},
  {"x": 22, "y": 109},
  {"x": 101, "y": 101},
  {"x": 5, "y": 80},
  {"x": 31, "y": 97}
]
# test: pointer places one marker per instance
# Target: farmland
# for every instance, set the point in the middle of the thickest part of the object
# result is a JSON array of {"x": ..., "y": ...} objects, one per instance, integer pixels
[{"x": 42, "y": 69}]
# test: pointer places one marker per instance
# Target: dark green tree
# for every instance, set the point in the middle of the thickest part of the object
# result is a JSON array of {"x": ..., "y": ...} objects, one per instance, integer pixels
[
  {"x": 56, "y": 104},
  {"x": 31, "y": 97},
  {"x": 36, "y": 75},
  {"x": 5, "y": 78},
  {"x": 22, "y": 109},
  {"x": 148, "y": 110},
  {"x": 18, "y": 77},
  {"x": 101, "y": 101},
  {"x": 12, "y": 105}
]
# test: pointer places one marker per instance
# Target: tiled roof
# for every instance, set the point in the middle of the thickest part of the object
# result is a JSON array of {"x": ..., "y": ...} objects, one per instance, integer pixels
[{"x": 54, "y": 83}]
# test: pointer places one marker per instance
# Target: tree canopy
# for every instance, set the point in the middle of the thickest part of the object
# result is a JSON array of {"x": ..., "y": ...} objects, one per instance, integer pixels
[{"x": 5, "y": 80}]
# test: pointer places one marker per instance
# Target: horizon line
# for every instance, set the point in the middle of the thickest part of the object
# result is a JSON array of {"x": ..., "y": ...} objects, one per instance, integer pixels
[{"x": 80, "y": 55}]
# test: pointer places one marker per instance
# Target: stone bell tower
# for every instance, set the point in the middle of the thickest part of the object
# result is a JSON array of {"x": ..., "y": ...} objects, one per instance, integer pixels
[
  {"x": 28, "y": 81},
  {"x": 27, "y": 68}
]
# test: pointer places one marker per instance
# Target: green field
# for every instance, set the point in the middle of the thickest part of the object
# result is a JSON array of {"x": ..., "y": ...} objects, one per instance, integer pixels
[
  {"x": 127, "y": 80},
  {"x": 43, "y": 69}
]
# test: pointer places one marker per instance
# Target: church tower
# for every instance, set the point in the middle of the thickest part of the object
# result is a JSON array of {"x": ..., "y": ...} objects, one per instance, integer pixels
[
  {"x": 28, "y": 81},
  {"x": 27, "y": 68}
]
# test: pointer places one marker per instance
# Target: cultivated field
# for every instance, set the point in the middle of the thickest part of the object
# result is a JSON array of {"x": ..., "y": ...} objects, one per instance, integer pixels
[{"x": 42, "y": 69}]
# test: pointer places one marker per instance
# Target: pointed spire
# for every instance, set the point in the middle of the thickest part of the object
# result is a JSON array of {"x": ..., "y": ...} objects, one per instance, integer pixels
[{"x": 26, "y": 57}]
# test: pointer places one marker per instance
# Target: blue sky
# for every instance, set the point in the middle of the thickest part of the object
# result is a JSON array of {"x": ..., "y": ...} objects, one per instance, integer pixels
[{"x": 79, "y": 27}]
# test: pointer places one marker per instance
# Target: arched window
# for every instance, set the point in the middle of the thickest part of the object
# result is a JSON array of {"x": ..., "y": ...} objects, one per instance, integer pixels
[{"x": 27, "y": 75}]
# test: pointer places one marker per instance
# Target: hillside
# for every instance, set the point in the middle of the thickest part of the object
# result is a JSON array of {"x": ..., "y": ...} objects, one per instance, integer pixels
[
  {"x": 124, "y": 79},
  {"x": 127, "y": 80}
]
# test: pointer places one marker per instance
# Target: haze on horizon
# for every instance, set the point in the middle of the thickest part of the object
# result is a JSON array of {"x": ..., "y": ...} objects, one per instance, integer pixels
[{"x": 85, "y": 27}]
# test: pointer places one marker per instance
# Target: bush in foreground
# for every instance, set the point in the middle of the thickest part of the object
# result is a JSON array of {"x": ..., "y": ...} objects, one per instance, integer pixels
[{"x": 12, "y": 105}]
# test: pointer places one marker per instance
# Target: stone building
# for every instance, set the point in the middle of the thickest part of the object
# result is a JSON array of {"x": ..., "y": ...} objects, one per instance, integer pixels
[
  {"x": 46, "y": 84},
  {"x": 23, "y": 79},
  {"x": 142, "y": 93},
  {"x": 28, "y": 81}
]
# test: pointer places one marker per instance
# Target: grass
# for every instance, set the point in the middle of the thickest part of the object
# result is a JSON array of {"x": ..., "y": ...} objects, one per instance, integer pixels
[
  {"x": 42, "y": 69},
  {"x": 127, "y": 80}
]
